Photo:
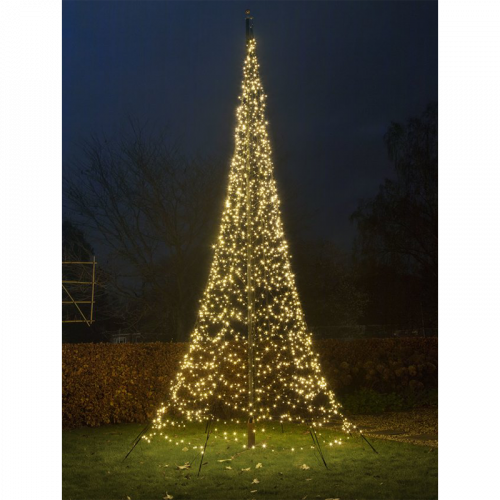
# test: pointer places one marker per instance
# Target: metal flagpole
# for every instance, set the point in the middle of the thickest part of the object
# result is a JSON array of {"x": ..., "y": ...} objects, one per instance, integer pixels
[{"x": 250, "y": 295}]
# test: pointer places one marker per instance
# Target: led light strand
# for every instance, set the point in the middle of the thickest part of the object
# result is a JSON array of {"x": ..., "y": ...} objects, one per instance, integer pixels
[{"x": 288, "y": 382}]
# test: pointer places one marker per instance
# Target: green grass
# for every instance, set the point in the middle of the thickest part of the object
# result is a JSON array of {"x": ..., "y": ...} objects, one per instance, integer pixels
[{"x": 93, "y": 466}]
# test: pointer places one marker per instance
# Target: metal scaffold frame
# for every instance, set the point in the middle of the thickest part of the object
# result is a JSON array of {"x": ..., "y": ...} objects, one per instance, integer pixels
[{"x": 84, "y": 319}]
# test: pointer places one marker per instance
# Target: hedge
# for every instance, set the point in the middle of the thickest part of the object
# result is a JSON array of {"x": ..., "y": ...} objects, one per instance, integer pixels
[{"x": 113, "y": 383}]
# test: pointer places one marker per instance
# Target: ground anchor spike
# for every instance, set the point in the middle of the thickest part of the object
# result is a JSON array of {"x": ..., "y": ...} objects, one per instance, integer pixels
[
  {"x": 137, "y": 440},
  {"x": 318, "y": 446},
  {"x": 209, "y": 423},
  {"x": 371, "y": 446}
]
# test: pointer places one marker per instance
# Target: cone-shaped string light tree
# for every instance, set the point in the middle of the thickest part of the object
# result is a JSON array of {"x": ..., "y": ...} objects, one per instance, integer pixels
[{"x": 250, "y": 356}]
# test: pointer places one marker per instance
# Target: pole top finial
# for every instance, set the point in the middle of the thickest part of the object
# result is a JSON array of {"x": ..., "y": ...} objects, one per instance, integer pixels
[{"x": 249, "y": 24}]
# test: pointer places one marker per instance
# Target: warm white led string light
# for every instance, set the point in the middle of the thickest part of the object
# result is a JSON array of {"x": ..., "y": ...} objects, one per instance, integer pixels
[{"x": 212, "y": 381}]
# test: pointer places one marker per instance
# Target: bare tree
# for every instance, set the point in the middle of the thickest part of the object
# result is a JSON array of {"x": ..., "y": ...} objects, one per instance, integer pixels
[
  {"x": 153, "y": 210},
  {"x": 398, "y": 228}
]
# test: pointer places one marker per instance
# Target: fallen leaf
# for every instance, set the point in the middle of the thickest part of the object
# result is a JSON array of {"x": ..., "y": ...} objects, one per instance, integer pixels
[
  {"x": 168, "y": 497},
  {"x": 253, "y": 491},
  {"x": 187, "y": 465},
  {"x": 245, "y": 470},
  {"x": 225, "y": 460},
  {"x": 228, "y": 467},
  {"x": 185, "y": 448},
  {"x": 305, "y": 467},
  {"x": 255, "y": 481},
  {"x": 309, "y": 479},
  {"x": 332, "y": 499},
  {"x": 304, "y": 498},
  {"x": 258, "y": 466}
]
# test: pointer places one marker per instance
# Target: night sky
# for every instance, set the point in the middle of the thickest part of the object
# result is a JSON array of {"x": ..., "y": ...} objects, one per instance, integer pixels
[{"x": 336, "y": 73}]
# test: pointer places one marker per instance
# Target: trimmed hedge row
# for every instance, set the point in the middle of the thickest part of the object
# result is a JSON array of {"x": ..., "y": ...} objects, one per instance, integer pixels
[
  {"x": 113, "y": 383},
  {"x": 385, "y": 365}
]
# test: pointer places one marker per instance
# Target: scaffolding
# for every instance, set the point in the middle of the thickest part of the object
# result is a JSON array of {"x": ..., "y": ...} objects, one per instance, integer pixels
[{"x": 70, "y": 284}]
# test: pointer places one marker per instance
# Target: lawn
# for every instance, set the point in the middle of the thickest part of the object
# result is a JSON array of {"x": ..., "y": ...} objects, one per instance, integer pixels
[{"x": 93, "y": 466}]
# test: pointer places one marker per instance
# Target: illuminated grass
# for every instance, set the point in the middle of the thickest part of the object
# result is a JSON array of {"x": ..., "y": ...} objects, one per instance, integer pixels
[{"x": 93, "y": 466}]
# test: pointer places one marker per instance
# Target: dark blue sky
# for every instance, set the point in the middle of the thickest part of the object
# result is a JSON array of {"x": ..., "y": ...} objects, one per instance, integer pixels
[{"x": 336, "y": 73}]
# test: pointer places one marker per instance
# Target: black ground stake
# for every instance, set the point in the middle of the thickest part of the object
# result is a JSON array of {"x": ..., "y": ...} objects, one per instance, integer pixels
[
  {"x": 320, "y": 450},
  {"x": 209, "y": 423},
  {"x": 315, "y": 446},
  {"x": 137, "y": 440},
  {"x": 316, "y": 443},
  {"x": 371, "y": 446}
]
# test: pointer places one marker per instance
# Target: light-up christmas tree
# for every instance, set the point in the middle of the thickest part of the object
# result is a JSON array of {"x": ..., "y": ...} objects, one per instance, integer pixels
[{"x": 250, "y": 355}]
